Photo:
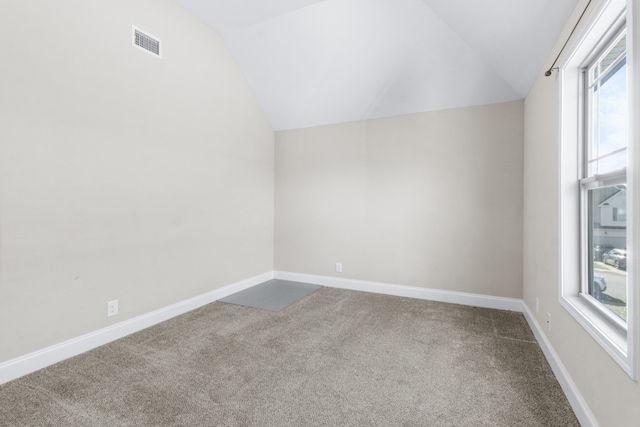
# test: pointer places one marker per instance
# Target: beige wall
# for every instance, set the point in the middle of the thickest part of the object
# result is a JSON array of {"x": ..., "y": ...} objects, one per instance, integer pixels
[
  {"x": 608, "y": 391},
  {"x": 431, "y": 200},
  {"x": 151, "y": 181},
  {"x": 122, "y": 176}
]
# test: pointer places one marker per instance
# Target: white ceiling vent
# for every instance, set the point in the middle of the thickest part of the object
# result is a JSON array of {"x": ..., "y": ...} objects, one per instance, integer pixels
[{"x": 147, "y": 42}]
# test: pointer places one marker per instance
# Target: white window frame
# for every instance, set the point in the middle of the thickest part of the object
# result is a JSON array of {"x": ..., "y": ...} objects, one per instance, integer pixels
[{"x": 618, "y": 339}]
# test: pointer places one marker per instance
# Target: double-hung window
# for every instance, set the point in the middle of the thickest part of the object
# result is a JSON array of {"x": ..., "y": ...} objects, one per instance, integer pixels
[
  {"x": 599, "y": 191},
  {"x": 603, "y": 181}
]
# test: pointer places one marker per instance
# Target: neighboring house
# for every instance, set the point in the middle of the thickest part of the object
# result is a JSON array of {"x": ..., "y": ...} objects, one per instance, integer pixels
[{"x": 610, "y": 222}]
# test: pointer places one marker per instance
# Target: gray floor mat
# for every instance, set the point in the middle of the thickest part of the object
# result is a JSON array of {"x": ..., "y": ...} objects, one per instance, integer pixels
[{"x": 273, "y": 295}]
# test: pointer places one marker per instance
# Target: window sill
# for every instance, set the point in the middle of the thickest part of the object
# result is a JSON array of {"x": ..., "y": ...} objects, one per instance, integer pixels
[{"x": 610, "y": 334}]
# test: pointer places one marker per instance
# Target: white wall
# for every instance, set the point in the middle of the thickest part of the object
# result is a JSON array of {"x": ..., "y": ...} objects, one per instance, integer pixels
[
  {"x": 122, "y": 176},
  {"x": 610, "y": 394},
  {"x": 431, "y": 200}
]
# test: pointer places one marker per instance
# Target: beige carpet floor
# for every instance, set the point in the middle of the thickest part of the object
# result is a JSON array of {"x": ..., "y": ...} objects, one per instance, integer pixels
[{"x": 334, "y": 358}]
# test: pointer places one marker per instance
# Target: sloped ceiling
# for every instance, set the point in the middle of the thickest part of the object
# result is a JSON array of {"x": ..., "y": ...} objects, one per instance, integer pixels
[{"x": 316, "y": 62}]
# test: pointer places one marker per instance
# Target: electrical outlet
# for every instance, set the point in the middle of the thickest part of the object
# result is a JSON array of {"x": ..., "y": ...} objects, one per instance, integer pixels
[
  {"x": 537, "y": 305},
  {"x": 549, "y": 322},
  {"x": 338, "y": 267},
  {"x": 112, "y": 308}
]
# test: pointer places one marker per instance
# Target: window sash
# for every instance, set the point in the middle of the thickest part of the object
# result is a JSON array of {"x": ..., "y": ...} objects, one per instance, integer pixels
[
  {"x": 591, "y": 144},
  {"x": 589, "y": 182},
  {"x": 587, "y": 244}
]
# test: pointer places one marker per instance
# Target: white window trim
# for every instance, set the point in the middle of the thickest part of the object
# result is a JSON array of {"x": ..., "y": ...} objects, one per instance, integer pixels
[{"x": 618, "y": 341}]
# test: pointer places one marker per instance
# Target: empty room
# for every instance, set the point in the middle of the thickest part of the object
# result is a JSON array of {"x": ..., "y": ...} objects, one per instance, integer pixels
[{"x": 319, "y": 212}]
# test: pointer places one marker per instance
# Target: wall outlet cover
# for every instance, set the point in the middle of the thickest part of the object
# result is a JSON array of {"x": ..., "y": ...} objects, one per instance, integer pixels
[{"x": 112, "y": 308}]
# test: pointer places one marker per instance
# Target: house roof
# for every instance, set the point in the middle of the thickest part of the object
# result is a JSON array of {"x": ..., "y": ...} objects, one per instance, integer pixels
[
  {"x": 315, "y": 62},
  {"x": 609, "y": 199}
]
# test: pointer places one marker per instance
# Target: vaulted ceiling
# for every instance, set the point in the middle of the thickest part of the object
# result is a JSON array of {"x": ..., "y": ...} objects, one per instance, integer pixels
[{"x": 315, "y": 62}]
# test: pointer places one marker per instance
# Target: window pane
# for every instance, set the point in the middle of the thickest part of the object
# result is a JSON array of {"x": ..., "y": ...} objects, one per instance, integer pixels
[
  {"x": 614, "y": 53},
  {"x": 612, "y": 114},
  {"x": 610, "y": 163},
  {"x": 608, "y": 243},
  {"x": 608, "y": 112}
]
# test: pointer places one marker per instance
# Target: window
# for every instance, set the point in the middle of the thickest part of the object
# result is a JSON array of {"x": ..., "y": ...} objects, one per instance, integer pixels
[
  {"x": 603, "y": 180},
  {"x": 619, "y": 215},
  {"x": 599, "y": 180}
]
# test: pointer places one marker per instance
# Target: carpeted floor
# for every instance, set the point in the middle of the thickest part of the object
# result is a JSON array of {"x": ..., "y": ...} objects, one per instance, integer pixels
[{"x": 334, "y": 358}]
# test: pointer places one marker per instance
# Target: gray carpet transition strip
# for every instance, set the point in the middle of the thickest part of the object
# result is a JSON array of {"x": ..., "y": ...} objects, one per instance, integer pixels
[
  {"x": 334, "y": 358},
  {"x": 273, "y": 295}
]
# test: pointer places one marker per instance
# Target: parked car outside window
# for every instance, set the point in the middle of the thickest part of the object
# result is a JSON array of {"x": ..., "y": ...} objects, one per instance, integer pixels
[
  {"x": 599, "y": 250},
  {"x": 616, "y": 257},
  {"x": 599, "y": 286}
]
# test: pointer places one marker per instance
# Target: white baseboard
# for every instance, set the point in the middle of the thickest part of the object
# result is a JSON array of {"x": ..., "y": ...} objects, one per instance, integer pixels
[
  {"x": 475, "y": 300},
  {"x": 579, "y": 406},
  {"x": 32, "y": 362}
]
